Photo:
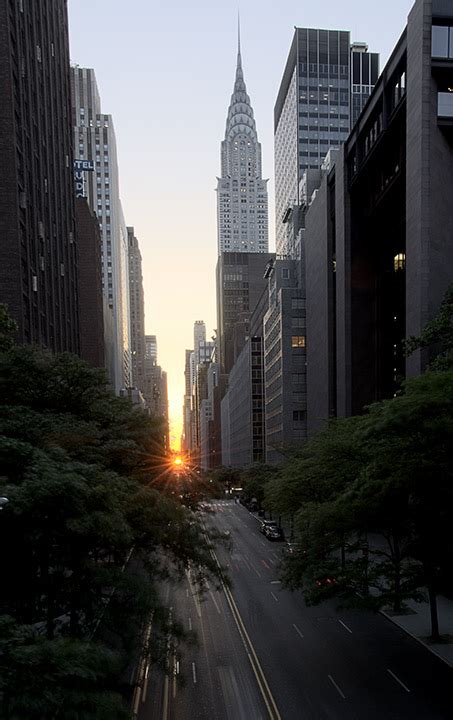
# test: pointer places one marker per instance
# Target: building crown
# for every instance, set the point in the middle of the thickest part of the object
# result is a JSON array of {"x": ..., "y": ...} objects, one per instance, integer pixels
[{"x": 240, "y": 119}]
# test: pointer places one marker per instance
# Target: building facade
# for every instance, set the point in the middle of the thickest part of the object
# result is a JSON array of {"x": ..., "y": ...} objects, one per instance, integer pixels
[
  {"x": 325, "y": 84},
  {"x": 242, "y": 203},
  {"x": 284, "y": 338},
  {"x": 243, "y": 406},
  {"x": 137, "y": 311},
  {"x": 38, "y": 250},
  {"x": 372, "y": 282},
  {"x": 240, "y": 283},
  {"x": 91, "y": 304},
  {"x": 94, "y": 141}
]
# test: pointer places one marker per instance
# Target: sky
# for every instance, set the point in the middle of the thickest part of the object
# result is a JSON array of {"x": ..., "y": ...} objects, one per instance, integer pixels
[{"x": 165, "y": 71}]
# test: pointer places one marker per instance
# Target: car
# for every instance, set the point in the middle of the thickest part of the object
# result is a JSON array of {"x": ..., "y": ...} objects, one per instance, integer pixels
[
  {"x": 266, "y": 523},
  {"x": 274, "y": 533}
]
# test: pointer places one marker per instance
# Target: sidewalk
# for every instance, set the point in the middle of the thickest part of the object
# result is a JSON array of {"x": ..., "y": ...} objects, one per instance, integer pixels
[{"x": 418, "y": 625}]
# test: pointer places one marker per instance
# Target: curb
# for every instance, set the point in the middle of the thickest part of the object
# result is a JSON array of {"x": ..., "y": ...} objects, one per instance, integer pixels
[{"x": 418, "y": 639}]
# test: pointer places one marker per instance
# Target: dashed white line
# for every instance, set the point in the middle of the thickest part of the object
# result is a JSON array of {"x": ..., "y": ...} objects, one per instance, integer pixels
[
  {"x": 274, "y": 596},
  {"x": 395, "y": 677},
  {"x": 338, "y": 689},
  {"x": 345, "y": 626},
  {"x": 190, "y": 623},
  {"x": 297, "y": 630},
  {"x": 276, "y": 582},
  {"x": 215, "y": 602},
  {"x": 194, "y": 674}
]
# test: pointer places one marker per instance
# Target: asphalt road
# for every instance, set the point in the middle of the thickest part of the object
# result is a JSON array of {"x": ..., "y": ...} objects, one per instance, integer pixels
[{"x": 263, "y": 654}]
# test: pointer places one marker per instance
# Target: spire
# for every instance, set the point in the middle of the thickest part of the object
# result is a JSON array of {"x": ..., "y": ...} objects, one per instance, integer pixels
[
  {"x": 239, "y": 64},
  {"x": 240, "y": 114},
  {"x": 239, "y": 73}
]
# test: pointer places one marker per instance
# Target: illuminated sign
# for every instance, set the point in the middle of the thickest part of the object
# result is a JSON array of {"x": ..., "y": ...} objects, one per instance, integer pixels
[{"x": 81, "y": 167}]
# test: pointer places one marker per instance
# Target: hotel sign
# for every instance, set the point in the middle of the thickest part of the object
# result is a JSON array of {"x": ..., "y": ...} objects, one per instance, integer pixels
[{"x": 80, "y": 168}]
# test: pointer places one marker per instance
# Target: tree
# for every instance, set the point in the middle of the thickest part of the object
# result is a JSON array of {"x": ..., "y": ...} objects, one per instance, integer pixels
[
  {"x": 437, "y": 336},
  {"x": 254, "y": 480},
  {"x": 93, "y": 527}
]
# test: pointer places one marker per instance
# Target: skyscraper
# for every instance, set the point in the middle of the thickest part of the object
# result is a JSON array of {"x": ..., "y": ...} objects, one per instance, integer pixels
[
  {"x": 137, "y": 310},
  {"x": 94, "y": 141},
  {"x": 325, "y": 85},
  {"x": 242, "y": 215},
  {"x": 150, "y": 351},
  {"x": 38, "y": 255},
  {"x": 240, "y": 283}
]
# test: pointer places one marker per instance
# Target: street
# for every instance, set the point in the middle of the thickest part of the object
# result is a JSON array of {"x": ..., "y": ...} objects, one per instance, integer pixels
[{"x": 262, "y": 653}]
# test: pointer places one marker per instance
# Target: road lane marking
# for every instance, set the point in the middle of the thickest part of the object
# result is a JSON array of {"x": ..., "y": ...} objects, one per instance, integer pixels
[
  {"x": 271, "y": 561},
  {"x": 297, "y": 630},
  {"x": 194, "y": 674},
  {"x": 258, "y": 573},
  {"x": 165, "y": 703},
  {"x": 190, "y": 623},
  {"x": 187, "y": 592},
  {"x": 274, "y": 596},
  {"x": 215, "y": 602},
  {"x": 345, "y": 626},
  {"x": 145, "y": 684},
  {"x": 265, "y": 564},
  {"x": 276, "y": 582},
  {"x": 395, "y": 677},
  {"x": 339, "y": 690},
  {"x": 251, "y": 654},
  {"x": 142, "y": 675}
]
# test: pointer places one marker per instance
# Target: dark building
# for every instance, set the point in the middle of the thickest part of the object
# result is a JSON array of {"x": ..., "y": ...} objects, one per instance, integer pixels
[
  {"x": 325, "y": 84},
  {"x": 156, "y": 397},
  {"x": 379, "y": 252},
  {"x": 91, "y": 300},
  {"x": 137, "y": 311},
  {"x": 240, "y": 283},
  {"x": 38, "y": 268},
  {"x": 284, "y": 360},
  {"x": 243, "y": 406}
]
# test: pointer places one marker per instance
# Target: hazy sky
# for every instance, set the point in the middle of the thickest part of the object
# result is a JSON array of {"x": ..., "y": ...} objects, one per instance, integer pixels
[{"x": 165, "y": 72}]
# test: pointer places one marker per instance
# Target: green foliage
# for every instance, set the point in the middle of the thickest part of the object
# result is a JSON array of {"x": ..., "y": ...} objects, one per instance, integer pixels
[
  {"x": 374, "y": 498},
  {"x": 255, "y": 478},
  {"x": 437, "y": 336},
  {"x": 93, "y": 526},
  {"x": 7, "y": 329},
  {"x": 63, "y": 678}
]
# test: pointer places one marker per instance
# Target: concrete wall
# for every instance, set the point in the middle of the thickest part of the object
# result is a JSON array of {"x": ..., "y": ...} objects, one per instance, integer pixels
[{"x": 317, "y": 308}]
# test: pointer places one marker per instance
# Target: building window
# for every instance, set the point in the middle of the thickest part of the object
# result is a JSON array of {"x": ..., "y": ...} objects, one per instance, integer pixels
[
  {"x": 298, "y": 341},
  {"x": 399, "y": 262},
  {"x": 297, "y": 303},
  {"x": 285, "y": 273},
  {"x": 440, "y": 41}
]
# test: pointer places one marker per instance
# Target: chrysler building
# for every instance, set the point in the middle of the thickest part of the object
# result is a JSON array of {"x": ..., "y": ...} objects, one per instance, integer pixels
[{"x": 242, "y": 220}]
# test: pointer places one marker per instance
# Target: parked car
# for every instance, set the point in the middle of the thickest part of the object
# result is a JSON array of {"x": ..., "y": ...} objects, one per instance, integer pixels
[
  {"x": 266, "y": 523},
  {"x": 274, "y": 533}
]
